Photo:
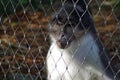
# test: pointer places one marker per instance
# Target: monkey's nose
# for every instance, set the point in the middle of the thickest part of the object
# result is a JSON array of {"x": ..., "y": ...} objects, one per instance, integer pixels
[
  {"x": 61, "y": 44},
  {"x": 62, "y": 41}
]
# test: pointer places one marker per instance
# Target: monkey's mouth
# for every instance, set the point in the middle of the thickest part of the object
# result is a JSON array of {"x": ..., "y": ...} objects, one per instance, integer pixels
[{"x": 63, "y": 45}]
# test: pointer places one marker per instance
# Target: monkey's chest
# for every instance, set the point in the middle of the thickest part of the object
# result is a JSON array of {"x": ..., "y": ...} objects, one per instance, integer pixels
[
  {"x": 61, "y": 66},
  {"x": 67, "y": 69}
]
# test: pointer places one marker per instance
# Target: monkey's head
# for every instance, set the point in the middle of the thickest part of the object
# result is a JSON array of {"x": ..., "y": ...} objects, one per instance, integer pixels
[{"x": 68, "y": 24}]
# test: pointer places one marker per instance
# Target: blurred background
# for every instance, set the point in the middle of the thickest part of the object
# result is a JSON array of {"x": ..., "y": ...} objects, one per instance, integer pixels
[{"x": 24, "y": 39}]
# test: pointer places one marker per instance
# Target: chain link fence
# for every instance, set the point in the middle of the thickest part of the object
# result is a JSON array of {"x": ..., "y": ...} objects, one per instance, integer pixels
[{"x": 24, "y": 35}]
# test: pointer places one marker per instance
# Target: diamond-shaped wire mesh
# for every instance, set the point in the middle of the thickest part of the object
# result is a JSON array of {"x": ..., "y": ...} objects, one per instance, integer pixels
[{"x": 24, "y": 36}]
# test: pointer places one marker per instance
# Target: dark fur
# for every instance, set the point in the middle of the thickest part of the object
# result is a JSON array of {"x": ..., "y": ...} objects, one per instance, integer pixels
[{"x": 87, "y": 24}]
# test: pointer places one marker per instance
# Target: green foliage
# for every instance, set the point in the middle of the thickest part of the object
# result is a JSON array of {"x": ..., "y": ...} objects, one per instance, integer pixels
[
  {"x": 118, "y": 6},
  {"x": 114, "y": 3},
  {"x": 24, "y": 1},
  {"x": 10, "y": 6}
]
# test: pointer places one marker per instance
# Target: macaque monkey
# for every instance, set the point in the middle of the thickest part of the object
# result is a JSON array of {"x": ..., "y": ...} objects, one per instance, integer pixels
[{"x": 76, "y": 52}]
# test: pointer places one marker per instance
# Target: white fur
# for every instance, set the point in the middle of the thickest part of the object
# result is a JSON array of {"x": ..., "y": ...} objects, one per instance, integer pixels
[{"x": 78, "y": 62}]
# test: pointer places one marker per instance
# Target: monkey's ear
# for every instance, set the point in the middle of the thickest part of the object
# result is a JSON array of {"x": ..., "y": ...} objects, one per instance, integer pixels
[{"x": 82, "y": 3}]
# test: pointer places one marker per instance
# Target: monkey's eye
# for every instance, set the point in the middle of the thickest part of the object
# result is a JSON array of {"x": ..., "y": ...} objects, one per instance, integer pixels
[
  {"x": 60, "y": 20},
  {"x": 59, "y": 23},
  {"x": 73, "y": 24}
]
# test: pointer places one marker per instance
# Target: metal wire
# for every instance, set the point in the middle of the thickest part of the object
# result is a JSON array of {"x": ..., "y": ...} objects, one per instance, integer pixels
[{"x": 24, "y": 35}]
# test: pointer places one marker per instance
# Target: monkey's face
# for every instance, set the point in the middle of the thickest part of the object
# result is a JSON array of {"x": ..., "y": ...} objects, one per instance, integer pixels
[
  {"x": 66, "y": 27},
  {"x": 63, "y": 33}
]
